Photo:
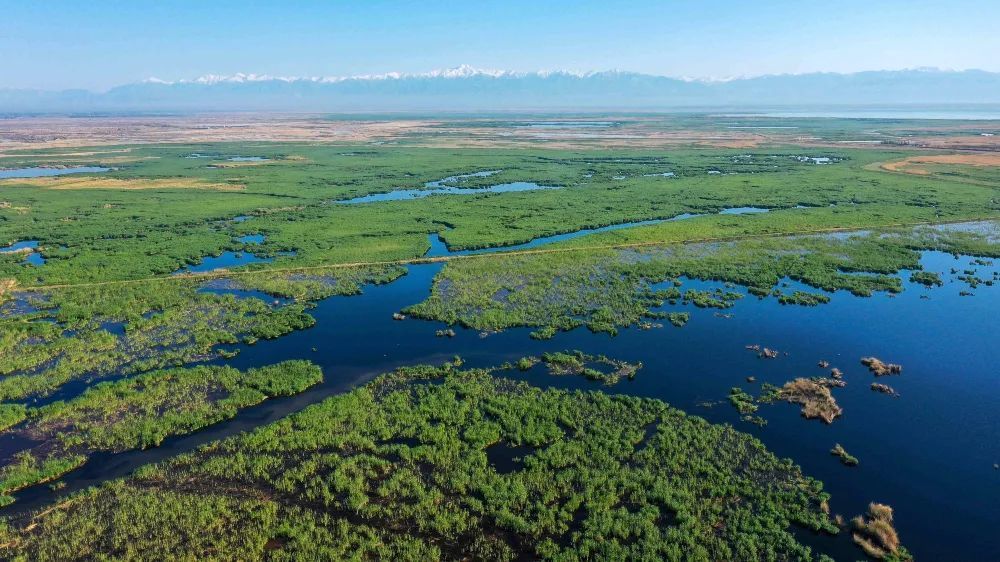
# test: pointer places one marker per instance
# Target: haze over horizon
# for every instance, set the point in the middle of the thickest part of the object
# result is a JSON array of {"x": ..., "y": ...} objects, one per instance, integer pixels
[
  {"x": 472, "y": 71},
  {"x": 107, "y": 44}
]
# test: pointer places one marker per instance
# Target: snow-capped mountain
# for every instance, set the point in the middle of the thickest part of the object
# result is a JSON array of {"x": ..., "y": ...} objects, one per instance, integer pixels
[{"x": 465, "y": 88}]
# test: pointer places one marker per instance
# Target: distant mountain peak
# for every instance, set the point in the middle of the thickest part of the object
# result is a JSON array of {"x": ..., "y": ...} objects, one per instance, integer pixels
[
  {"x": 466, "y": 87},
  {"x": 461, "y": 71}
]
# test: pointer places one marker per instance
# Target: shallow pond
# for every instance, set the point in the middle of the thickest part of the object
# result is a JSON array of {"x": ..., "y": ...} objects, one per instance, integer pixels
[
  {"x": 928, "y": 453},
  {"x": 32, "y": 257},
  {"x": 228, "y": 260},
  {"x": 19, "y": 246},
  {"x": 566, "y": 124},
  {"x": 39, "y": 172},
  {"x": 252, "y": 239},
  {"x": 442, "y": 187},
  {"x": 743, "y": 211},
  {"x": 228, "y": 287}
]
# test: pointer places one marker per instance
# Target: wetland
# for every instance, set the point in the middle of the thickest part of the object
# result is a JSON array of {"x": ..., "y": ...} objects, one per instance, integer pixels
[{"x": 597, "y": 340}]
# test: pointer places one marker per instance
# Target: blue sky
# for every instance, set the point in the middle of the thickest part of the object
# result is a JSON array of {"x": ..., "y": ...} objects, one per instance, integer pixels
[{"x": 96, "y": 44}]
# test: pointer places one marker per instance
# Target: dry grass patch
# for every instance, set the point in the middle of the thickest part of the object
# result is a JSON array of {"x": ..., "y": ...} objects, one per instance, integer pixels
[
  {"x": 7, "y": 205},
  {"x": 915, "y": 164},
  {"x": 876, "y": 534},
  {"x": 7, "y": 286},
  {"x": 880, "y": 368},
  {"x": 814, "y": 396},
  {"x": 67, "y": 182}
]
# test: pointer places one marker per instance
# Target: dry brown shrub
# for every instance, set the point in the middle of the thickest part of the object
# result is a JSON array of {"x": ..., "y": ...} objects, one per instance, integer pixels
[
  {"x": 876, "y": 535},
  {"x": 815, "y": 399},
  {"x": 7, "y": 286}
]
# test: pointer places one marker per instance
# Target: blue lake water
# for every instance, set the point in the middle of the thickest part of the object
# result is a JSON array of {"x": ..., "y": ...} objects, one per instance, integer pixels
[
  {"x": 228, "y": 260},
  {"x": 928, "y": 453},
  {"x": 38, "y": 172},
  {"x": 18, "y": 246},
  {"x": 225, "y": 260},
  {"x": 228, "y": 287},
  {"x": 441, "y": 187},
  {"x": 252, "y": 239},
  {"x": 566, "y": 124},
  {"x": 972, "y": 112},
  {"x": 743, "y": 211},
  {"x": 248, "y": 159},
  {"x": 32, "y": 258},
  {"x": 439, "y": 248}
]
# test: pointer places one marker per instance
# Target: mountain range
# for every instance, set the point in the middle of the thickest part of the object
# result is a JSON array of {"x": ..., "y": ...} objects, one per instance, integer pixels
[{"x": 468, "y": 89}]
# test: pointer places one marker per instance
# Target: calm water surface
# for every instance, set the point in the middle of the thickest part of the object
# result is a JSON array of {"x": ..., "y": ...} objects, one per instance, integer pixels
[
  {"x": 39, "y": 172},
  {"x": 32, "y": 258},
  {"x": 441, "y": 187}
]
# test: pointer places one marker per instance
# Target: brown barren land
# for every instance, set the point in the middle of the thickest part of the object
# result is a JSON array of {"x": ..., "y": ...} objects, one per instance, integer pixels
[{"x": 70, "y": 182}]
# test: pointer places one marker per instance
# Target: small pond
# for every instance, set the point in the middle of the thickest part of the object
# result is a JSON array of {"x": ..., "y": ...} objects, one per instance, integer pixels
[
  {"x": 228, "y": 260},
  {"x": 248, "y": 159},
  {"x": 252, "y": 239},
  {"x": 441, "y": 187},
  {"x": 743, "y": 210},
  {"x": 41, "y": 172},
  {"x": 28, "y": 248}
]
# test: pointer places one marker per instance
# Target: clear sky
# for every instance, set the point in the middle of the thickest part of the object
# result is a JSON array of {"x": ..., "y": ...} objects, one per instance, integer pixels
[{"x": 96, "y": 44}]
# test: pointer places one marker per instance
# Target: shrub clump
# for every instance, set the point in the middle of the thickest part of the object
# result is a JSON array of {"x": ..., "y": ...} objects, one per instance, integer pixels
[
  {"x": 877, "y": 536},
  {"x": 845, "y": 457}
]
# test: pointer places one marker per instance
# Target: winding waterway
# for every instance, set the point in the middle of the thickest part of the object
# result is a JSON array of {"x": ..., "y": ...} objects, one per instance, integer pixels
[
  {"x": 929, "y": 453},
  {"x": 440, "y": 248}
]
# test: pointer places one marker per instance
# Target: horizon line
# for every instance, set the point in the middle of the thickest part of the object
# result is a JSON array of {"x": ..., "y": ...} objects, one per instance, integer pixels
[{"x": 469, "y": 71}]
